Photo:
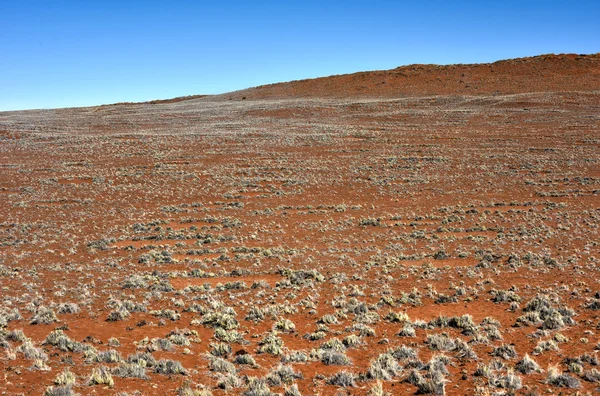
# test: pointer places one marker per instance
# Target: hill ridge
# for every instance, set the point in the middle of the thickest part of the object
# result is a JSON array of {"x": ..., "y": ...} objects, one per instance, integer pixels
[{"x": 541, "y": 73}]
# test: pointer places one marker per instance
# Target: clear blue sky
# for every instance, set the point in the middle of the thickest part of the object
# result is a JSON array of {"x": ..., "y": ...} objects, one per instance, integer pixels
[{"x": 86, "y": 52}]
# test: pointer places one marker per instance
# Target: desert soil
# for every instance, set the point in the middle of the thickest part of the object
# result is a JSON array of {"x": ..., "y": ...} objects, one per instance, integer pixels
[{"x": 422, "y": 230}]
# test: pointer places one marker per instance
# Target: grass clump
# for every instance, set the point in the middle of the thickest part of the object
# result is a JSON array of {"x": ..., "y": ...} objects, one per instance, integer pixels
[
  {"x": 559, "y": 379},
  {"x": 384, "y": 367},
  {"x": 44, "y": 315},
  {"x": 283, "y": 375},
  {"x": 66, "y": 390},
  {"x": 527, "y": 365},
  {"x": 130, "y": 370},
  {"x": 271, "y": 344},
  {"x": 101, "y": 376},
  {"x": 169, "y": 367},
  {"x": 343, "y": 379}
]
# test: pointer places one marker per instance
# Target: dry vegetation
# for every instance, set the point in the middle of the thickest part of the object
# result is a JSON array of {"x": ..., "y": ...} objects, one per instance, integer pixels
[{"x": 432, "y": 244}]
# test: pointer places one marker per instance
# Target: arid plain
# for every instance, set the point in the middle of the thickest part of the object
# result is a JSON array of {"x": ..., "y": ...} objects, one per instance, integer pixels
[{"x": 422, "y": 230}]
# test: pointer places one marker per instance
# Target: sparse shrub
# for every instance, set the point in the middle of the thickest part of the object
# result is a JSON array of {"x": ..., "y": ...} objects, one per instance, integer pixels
[
  {"x": 229, "y": 336},
  {"x": 221, "y": 365},
  {"x": 395, "y": 317},
  {"x": 101, "y": 376},
  {"x": 31, "y": 352},
  {"x": 541, "y": 309},
  {"x": 370, "y": 221},
  {"x": 505, "y": 296},
  {"x": 546, "y": 345},
  {"x": 574, "y": 367},
  {"x": 90, "y": 354},
  {"x": 440, "y": 321},
  {"x": 134, "y": 281},
  {"x": 434, "y": 383},
  {"x": 156, "y": 344},
  {"x": 527, "y": 365},
  {"x": 441, "y": 255},
  {"x": 440, "y": 342},
  {"x": 219, "y": 319},
  {"x": 110, "y": 356},
  {"x": 464, "y": 351},
  {"x": 16, "y": 336},
  {"x": 67, "y": 308},
  {"x": 132, "y": 306},
  {"x": 260, "y": 284},
  {"x": 553, "y": 321},
  {"x": 592, "y": 375},
  {"x": 220, "y": 349},
  {"x": 65, "y": 390},
  {"x": 130, "y": 370},
  {"x": 438, "y": 363},
  {"x": 258, "y": 387},
  {"x": 328, "y": 319},
  {"x": 296, "y": 357},
  {"x": 179, "y": 339},
  {"x": 367, "y": 318},
  {"x": 343, "y": 378},
  {"x": 159, "y": 257},
  {"x": 385, "y": 367},
  {"x": 594, "y": 304},
  {"x": 464, "y": 323},
  {"x": 285, "y": 325},
  {"x": 505, "y": 352},
  {"x": 271, "y": 344},
  {"x": 301, "y": 277},
  {"x": 414, "y": 377},
  {"x": 58, "y": 339},
  {"x": 44, "y": 315},
  {"x": 166, "y": 314},
  {"x": 557, "y": 378},
  {"x": 229, "y": 381},
  {"x": 529, "y": 319},
  {"x": 282, "y": 375},
  {"x": 431, "y": 383},
  {"x": 65, "y": 378},
  {"x": 333, "y": 358},
  {"x": 404, "y": 353},
  {"x": 196, "y": 308},
  {"x": 317, "y": 335},
  {"x": 40, "y": 364},
  {"x": 8, "y": 315},
  {"x": 507, "y": 381},
  {"x": 407, "y": 331},
  {"x": 143, "y": 359},
  {"x": 169, "y": 367},
  {"x": 333, "y": 344},
  {"x": 444, "y": 299},
  {"x": 351, "y": 341},
  {"x": 363, "y": 330},
  {"x": 377, "y": 390},
  {"x": 558, "y": 337},
  {"x": 245, "y": 359},
  {"x": 118, "y": 314},
  {"x": 292, "y": 391},
  {"x": 187, "y": 390},
  {"x": 255, "y": 314}
]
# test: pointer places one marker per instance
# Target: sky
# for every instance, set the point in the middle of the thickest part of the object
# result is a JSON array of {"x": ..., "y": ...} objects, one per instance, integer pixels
[{"x": 83, "y": 53}]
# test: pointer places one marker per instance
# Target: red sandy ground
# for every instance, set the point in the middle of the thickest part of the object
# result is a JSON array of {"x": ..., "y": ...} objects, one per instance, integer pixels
[{"x": 364, "y": 178}]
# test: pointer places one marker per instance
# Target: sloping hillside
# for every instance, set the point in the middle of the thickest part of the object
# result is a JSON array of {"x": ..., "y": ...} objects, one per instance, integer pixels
[{"x": 542, "y": 73}]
